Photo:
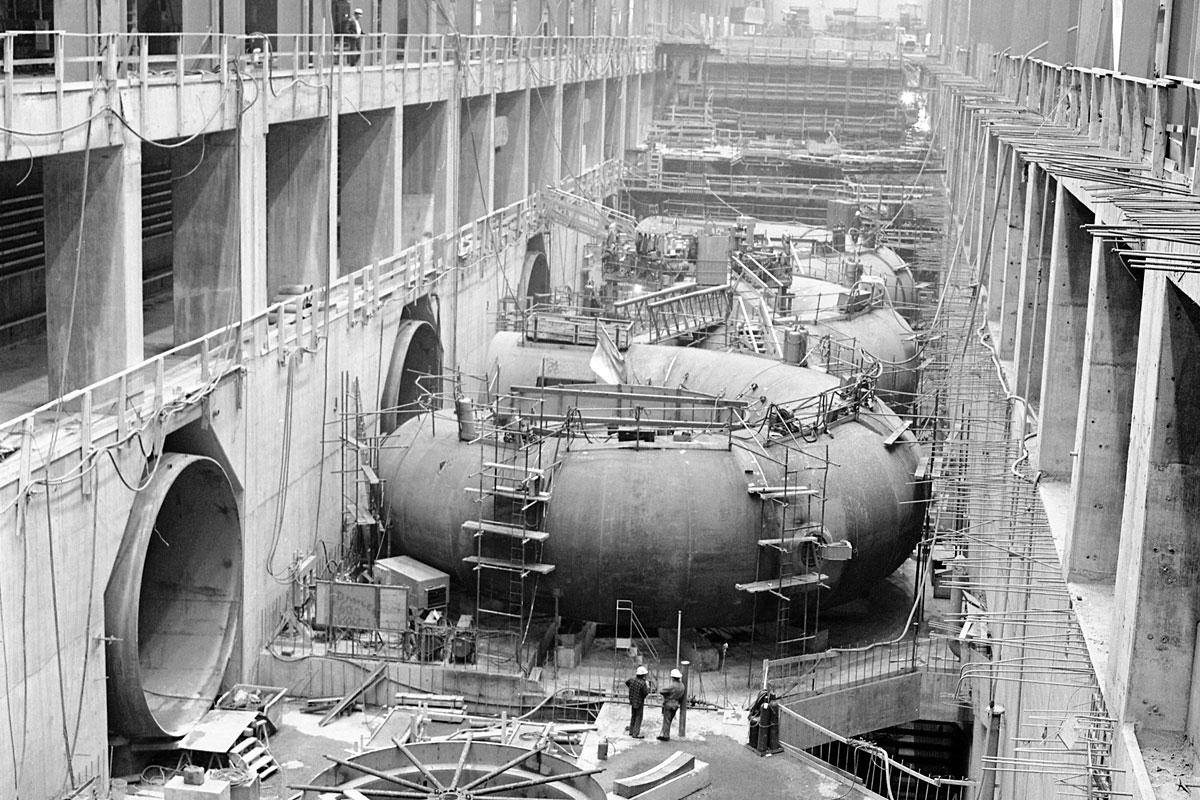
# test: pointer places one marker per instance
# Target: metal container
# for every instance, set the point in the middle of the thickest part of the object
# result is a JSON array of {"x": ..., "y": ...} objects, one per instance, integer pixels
[{"x": 795, "y": 344}]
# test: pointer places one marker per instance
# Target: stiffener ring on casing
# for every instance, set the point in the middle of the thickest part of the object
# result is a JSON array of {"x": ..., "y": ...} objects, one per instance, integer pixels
[{"x": 172, "y": 603}]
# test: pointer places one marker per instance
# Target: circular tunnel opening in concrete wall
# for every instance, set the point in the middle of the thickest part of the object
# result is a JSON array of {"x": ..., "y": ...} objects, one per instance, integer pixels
[
  {"x": 536, "y": 274},
  {"x": 415, "y": 363},
  {"x": 173, "y": 599}
]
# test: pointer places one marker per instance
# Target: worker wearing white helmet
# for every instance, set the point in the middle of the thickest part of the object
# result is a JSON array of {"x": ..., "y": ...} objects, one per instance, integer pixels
[
  {"x": 639, "y": 689},
  {"x": 672, "y": 695}
]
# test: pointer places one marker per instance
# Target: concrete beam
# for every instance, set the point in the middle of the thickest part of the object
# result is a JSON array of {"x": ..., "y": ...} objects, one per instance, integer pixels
[
  {"x": 1066, "y": 324},
  {"x": 1105, "y": 411},
  {"x": 1029, "y": 347},
  {"x": 1157, "y": 581},
  {"x": 93, "y": 245}
]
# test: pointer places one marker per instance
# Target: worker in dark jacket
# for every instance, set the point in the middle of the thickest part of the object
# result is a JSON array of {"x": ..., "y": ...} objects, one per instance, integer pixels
[
  {"x": 672, "y": 695},
  {"x": 639, "y": 689}
]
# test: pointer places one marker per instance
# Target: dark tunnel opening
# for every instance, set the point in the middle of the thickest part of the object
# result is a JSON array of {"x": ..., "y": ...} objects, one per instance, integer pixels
[
  {"x": 415, "y": 363},
  {"x": 173, "y": 599}
]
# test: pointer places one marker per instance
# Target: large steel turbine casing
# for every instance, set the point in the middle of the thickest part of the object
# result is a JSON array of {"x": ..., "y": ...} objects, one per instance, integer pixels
[{"x": 669, "y": 525}]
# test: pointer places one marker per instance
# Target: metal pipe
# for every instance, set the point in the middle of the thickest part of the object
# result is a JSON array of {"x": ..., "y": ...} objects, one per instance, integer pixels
[{"x": 685, "y": 667}]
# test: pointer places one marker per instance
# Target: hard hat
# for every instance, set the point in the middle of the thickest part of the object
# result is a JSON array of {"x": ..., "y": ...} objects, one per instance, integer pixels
[
  {"x": 676, "y": 674},
  {"x": 642, "y": 670},
  {"x": 358, "y": 11}
]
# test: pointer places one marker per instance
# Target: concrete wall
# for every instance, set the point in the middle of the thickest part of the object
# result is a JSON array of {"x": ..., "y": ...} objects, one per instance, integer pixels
[
  {"x": 879, "y": 704},
  {"x": 260, "y": 212}
]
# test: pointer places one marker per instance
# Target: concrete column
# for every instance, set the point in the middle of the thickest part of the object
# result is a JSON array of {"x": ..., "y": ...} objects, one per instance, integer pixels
[
  {"x": 1066, "y": 323},
  {"x": 572, "y": 130},
  {"x": 649, "y": 98},
  {"x": 477, "y": 161},
  {"x": 593, "y": 123},
  {"x": 633, "y": 111},
  {"x": 1031, "y": 316},
  {"x": 512, "y": 150},
  {"x": 425, "y": 165},
  {"x": 298, "y": 203},
  {"x": 208, "y": 235},
  {"x": 984, "y": 202},
  {"x": 1155, "y": 635},
  {"x": 1010, "y": 268},
  {"x": 1094, "y": 48},
  {"x": 93, "y": 280},
  {"x": 252, "y": 202},
  {"x": 1135, "y": 31},
  {"x": 614, "y": 101},
  {"x": 545, "y": 125},
  {"x": 992, "y": 247},
  {"x": 367, "y": 187},
  {"x": 1105, "y": 408}
]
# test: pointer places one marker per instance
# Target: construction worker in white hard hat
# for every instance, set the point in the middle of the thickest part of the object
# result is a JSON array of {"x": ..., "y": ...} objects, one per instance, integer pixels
[
  {"x": 672, "y": 695},
  {"x": 355, "y": 37},
  {"x": 639, "y": 689}
]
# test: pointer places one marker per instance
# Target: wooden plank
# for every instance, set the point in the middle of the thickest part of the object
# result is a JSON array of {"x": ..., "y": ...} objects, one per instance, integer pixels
[
  {"x": 509, "y": 566},
  {"x": 512, "y": 492},
  {"x": 501, "y": 529},
  {"x": 895, "y": 435},
  {"x": 807, "y": 580},
  {"x": 375, "y": 675}
]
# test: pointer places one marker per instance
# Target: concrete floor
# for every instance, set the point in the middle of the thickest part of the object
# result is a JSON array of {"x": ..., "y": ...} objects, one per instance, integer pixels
[
  {"x": 877, "y": 617},
  {"x": 24, "y": 381},
  {"x": 715, "y": 737},
  {"x": 718, "y": 738}
]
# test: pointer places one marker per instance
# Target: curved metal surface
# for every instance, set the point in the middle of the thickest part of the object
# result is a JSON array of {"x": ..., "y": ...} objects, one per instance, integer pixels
[
  {"x": 172, "y": 601},
  {"x": 672, "y": 525},
  {"x": 883, "y": 262},
  {"x": 733, "y": 375},
  {"x": 880, "y": 333},
  {"x": 416, "y": 352},
  {"x": 448, "y": 770}
]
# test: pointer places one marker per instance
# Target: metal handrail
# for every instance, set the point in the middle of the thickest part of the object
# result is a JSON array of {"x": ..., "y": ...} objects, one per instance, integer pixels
[{"x": 142, "y": 391}]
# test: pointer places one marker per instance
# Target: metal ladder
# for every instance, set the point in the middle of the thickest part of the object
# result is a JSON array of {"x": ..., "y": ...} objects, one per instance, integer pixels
[{"x": 514, "y": 490}]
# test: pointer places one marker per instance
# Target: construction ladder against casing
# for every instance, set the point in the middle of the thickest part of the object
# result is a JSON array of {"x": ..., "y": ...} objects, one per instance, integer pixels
[
  {"x": 789, "y": 553},
  {"x": 513, "y": 495}
]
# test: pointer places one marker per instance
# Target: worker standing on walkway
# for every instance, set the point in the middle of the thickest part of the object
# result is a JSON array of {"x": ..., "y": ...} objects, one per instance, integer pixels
[
  {"x": 672, "y": 695},
  {"x": 639, "y": 688},
  {"x": 354, "y": 39}
]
